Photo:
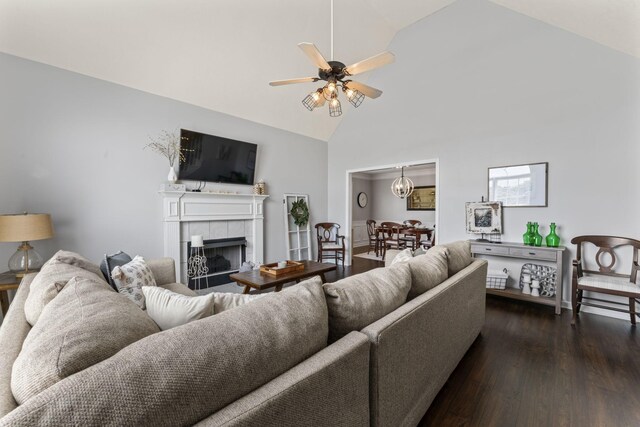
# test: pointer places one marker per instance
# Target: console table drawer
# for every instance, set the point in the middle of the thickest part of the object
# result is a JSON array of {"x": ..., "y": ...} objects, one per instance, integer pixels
[
  {"x": 533, "y": 253},
  {"x": 482, "y": 249}
]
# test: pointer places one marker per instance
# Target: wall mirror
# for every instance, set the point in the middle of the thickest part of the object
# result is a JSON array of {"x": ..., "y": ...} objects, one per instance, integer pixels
[{"x": 519, "y": 185}]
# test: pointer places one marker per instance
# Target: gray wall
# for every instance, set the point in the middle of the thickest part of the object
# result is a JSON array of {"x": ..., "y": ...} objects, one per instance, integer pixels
[
  {"x": 477, "y": 85},
  {"x": 72, "y": 146},
  {"x": 361, "y": 185}
]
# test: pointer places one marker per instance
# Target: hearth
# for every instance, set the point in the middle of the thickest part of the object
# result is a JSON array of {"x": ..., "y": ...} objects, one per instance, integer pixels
[{"x": 224, "y": 257}]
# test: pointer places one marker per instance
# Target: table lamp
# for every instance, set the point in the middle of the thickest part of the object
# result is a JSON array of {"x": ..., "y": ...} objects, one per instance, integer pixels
[{"x": 24, "y": 228}]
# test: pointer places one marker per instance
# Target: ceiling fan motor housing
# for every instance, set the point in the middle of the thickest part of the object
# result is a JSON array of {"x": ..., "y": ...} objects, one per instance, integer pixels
[{"x": 337, "y": 71}]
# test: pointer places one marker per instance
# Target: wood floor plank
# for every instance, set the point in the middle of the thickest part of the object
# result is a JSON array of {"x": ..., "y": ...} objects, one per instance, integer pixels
[{"x": 530, "y": 367}]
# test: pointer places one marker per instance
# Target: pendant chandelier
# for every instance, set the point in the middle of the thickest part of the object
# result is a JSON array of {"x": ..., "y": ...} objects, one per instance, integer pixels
[{"x": 402, "y": 186}]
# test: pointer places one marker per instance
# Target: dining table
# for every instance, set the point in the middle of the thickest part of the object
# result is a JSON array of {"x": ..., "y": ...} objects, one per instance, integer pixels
[{"x": 418, "y": 232}]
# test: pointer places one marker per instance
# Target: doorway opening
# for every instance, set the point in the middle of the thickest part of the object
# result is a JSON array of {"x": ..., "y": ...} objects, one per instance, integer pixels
[{"x": 369, "y": 197}]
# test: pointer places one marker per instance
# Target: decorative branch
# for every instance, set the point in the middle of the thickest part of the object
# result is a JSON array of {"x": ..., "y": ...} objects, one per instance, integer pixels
[{"x": 167, "y": 144}]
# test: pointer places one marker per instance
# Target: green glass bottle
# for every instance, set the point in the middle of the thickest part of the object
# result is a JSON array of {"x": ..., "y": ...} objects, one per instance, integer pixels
[
  {"x": 553, "y": 240},
  {"x": 526, "y": 237},
  {"x": 537, "y": 237}
]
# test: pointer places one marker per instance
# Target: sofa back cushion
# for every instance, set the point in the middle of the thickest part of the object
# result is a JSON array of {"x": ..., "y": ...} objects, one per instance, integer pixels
[
  {"x": 459, "y": 255},
  {"x": 182, "y": 375},
  {"x": 86, "y": 323},
  {"x": 357, "y": 301},
  {"x": 59, "y": 269},
  {"x": 428, "y": 270}
]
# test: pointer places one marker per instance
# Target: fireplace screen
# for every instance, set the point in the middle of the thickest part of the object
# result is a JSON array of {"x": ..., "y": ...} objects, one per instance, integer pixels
[{"x": 223, "y": 257}]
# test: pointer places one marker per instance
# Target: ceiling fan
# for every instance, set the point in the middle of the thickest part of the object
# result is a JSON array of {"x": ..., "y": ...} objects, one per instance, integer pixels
[{"x": 336, "y": 74}]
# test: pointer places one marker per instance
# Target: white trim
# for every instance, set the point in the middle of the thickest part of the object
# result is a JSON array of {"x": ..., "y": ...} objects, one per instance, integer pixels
[{"x": 349, "y": 201}]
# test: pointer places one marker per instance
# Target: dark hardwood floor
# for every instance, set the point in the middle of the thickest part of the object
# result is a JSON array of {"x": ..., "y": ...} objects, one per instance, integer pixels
[{"x": 530, "y": 367}]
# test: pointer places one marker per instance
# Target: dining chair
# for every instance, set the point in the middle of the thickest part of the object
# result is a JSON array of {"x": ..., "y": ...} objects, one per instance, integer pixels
[
  {"x": 605, "y": 280},
  {"x": 373, "y": 236},
  {"x": 391, "y": 237},
  {"x": 410, "y": 239},
  {"x": 429, "y": 242},
  {"x": 330, "y": 242}
]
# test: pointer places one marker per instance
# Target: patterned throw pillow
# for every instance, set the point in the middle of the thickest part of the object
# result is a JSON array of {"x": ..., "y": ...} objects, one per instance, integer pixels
[{"x": 131, "y": 277}]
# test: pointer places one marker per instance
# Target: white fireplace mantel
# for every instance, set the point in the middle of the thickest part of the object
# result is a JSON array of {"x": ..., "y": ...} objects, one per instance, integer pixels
[{"x": 185, "y": 207}]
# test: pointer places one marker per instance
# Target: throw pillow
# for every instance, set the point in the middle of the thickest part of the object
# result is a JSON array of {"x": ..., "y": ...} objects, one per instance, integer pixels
[
  {"x": 459, "y": 256},
  {"x": 358, "y": 301},
  {"x": 131, "y": 277},
  {"x": 85, "y": 324},
  {"x": 428, "y": 270},
  {"x": 402, "y": 256},
  {"x": 58, "y": 270},
  {"x": 170, "y": 309},
  {"x": 227, "y": 301},
  {"x": 110, "y": 262}
]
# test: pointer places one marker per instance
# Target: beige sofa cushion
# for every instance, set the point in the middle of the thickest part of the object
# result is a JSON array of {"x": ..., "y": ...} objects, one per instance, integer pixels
[
  {"x": 428, "y": 270},
  {"x": 170, "y": 309},
  {"x": 459, "y": 255},
  {"x": 357, "y": 301},
  {"x": 181, "y": 376},
  {"x": 86, "y": 323},
  {"x": 225, "y": 301},
  {"x": 59, "y": 269}
]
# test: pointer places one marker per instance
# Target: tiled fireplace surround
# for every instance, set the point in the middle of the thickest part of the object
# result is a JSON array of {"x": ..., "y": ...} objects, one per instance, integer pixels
[{"x": 214, "y": 216}]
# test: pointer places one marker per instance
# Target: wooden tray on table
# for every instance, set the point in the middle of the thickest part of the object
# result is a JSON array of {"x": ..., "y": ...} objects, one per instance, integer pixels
[{"x": 273, "y": 270}]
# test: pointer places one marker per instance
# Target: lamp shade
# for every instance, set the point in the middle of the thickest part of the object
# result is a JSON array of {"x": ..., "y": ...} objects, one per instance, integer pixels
[{"x": 25, "y": 227}]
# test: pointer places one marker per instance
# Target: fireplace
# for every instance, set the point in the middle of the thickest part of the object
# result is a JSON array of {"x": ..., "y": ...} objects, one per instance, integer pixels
[
  {"x": 224, "y": 257},
  {"x": 212, "y": 216}
]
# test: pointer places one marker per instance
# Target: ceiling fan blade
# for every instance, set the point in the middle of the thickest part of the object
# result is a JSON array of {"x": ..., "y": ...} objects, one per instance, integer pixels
[
  {"x": 292, "y": 81},
  {"x": 369, "y": 91},
  {"x": 369, "y": 64},
  {"x": 314, "y": 54}
]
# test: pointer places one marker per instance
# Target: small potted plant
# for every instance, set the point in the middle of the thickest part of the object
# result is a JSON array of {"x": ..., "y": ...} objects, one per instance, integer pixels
[{"x": 167, "y": 144}]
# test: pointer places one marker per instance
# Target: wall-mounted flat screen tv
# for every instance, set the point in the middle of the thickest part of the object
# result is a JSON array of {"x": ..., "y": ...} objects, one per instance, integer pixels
[{"x": 216, "y": 159}]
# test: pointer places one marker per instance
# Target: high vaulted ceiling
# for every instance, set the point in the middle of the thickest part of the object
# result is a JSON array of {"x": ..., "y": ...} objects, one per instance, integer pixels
[{"x": 220, "y": 54}]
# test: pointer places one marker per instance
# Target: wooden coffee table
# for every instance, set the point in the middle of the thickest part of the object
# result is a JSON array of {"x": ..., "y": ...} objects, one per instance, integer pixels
[{"x": 257, "y": 280}]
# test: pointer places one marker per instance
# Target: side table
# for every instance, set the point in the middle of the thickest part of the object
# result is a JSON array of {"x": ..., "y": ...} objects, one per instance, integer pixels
[{"x": 8, "y": 282}]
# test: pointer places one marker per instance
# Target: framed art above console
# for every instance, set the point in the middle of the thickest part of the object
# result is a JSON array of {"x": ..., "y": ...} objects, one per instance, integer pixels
[{"x": 519, "y": 185}]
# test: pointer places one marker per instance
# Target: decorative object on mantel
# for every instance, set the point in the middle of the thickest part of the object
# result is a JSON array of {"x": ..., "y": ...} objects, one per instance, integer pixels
[
  {"x": 24, "y": 228},
  {"x": 259, "y": 188},
  {"x": 552, "y": 240},
  {"x": 484, "y": 218},
  {"x": 300, "y": 212},
  {"x": 334, "y": 73},
  {"x": 168, "y": 186},
  {"x": 402, "y": 186},
  {"x": 197, "y": 262},
  {"x": 167, "y": 144}
]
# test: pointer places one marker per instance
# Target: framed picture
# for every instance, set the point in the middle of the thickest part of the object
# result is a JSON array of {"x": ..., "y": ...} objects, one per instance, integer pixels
[
  {"x": 422, "y": 199},
  {"x": 484, "y": 217},
  {"x": 519, "y": 185}
]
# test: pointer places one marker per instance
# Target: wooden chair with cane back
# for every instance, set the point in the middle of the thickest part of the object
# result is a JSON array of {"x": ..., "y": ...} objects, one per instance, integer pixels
[
  {"x": 330, "y": 242},
  {"x": 605, "y": 280}
]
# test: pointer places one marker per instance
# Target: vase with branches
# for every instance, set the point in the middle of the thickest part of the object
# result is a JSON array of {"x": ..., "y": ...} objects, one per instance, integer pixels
[{"x": 167, "y": 144}]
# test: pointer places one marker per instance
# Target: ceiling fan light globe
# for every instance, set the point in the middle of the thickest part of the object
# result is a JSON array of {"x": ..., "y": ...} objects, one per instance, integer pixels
[
  {"x": 335, "y": 109},
  {"x": 310, "y": 102},
  {"x": 356, "y": 98}
]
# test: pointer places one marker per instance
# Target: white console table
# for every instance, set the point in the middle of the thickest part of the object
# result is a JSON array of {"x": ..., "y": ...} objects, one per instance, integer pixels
[{"x": 533, "y": 253}]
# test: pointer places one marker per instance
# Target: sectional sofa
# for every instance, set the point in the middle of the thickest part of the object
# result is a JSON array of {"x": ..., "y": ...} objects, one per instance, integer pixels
[{"x": 303, "y": 356}]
